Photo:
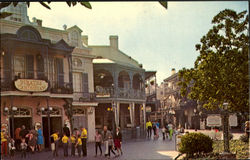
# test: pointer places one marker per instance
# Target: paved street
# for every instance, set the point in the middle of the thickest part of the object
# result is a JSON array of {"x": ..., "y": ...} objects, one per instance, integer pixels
[{"x": 137, "y": 149}]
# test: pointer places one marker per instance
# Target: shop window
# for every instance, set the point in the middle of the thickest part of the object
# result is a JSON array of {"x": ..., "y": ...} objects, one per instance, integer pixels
[{"x": 22, "y": 112}]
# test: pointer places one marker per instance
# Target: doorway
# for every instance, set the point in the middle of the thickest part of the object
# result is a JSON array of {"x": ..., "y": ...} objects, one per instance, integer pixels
[
  {"x": 55, "y": 125},
  {"x": 19, "y": 121}
]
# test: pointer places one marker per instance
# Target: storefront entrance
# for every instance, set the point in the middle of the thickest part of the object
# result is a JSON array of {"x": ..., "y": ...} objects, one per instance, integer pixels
[
  {"x": 55, "y": 125},
  {"x": 19, "y": 121}
]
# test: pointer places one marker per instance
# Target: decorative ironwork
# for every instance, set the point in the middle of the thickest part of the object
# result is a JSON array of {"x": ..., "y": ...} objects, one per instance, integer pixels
[
  {"x": 22, "y": 112},
  {"x": 78, "y": 111},
  {"x": 54, "y": 111}
]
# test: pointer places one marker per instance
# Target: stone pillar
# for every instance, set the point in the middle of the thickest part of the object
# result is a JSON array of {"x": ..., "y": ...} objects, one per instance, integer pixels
[
  {"x": 117, "y": 114},
  {"x": 144, "y": 115},
  {"x": 133, "y": 114}
]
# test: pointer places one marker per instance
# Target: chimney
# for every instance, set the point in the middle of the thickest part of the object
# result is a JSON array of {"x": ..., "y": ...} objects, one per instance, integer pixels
[
  {"x": 113, "y": 41},
  {"x": 173, "y": 71},
  {"x": 85, "y": 39}
]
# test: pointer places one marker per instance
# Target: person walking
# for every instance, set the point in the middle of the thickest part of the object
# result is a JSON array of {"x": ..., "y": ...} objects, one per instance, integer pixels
[
  {"x": 79, "y": 145},
  {"x": 163, "y": 130},
  {"x": 54, "y": 144},
  {"x": 23, "y": 147},
  {"x": 98, "y": 141},
  {"x": 118, "y": 141},
  {"x": 73, "y": 144},
  {"x": 65, "y": 141},
  {"x": 23, "y": 133},
  {"x": 12, "y": 148},
  {"x": 149, "y": 128},
  {"x": 111, "y": 146},
  {"x": 17, "y": 138},
  {"x": 170, "y": 128},
  {"x": 39, "y": 138},
  {"x": 84, "y": 141},
  {"x": 4, "y": 142},
  {"x": 105, "y": 135}
]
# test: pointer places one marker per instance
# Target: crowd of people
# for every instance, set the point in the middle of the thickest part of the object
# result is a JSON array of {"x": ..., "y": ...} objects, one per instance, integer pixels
[
  {"x": 24, "y": 140},
  {"x": 167, "y": 130},
  {"x": 32, "y": 140}
]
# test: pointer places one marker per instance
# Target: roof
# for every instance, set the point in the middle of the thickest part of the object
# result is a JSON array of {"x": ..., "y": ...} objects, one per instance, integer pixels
[
  {"x": 149, "y": 74},
  {"x": 171, "y": 77}
]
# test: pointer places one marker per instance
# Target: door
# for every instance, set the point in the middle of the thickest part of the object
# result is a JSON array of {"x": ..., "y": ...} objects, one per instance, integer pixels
[
  {"x": 19, "y": 121},
  {"x": 55, "y": 125}
]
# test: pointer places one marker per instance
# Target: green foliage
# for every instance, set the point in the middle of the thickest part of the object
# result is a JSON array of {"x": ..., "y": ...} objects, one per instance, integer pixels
[
  {"x": 244, "y": 138},
  {"x": 220, "y": 72},
  {"x": 195, "y": 143},
  {"x": 236, "y": 147}
]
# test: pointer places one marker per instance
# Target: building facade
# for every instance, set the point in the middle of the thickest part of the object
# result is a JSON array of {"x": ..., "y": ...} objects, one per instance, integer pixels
[
  {"x": 46, "y": 76},
  {"x": 119, "y": 88}
]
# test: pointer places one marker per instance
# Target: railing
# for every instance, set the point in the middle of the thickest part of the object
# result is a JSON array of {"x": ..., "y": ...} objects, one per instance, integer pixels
[
  {"x": 84, "y": 97},
  {"x": 109, "y": 92},
  {"x": 60, "y": 88}
]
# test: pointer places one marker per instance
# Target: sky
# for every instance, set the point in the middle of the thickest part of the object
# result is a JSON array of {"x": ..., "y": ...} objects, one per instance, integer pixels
[{"x": 160, "y": 39}]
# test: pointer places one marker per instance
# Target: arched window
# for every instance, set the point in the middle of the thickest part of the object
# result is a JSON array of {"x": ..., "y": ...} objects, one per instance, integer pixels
[{"x": 77, "y": 62}]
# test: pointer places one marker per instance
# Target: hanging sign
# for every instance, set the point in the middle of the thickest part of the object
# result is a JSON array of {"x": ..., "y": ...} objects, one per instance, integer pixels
[{"x": 31, "y": 85}]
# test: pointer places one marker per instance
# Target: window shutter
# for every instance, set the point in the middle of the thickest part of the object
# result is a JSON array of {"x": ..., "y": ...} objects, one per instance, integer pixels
[
  {"x": 7, "y": 67},
  {"x": 60, "y": 74},
  {"x": 85, "y": 83},
  {"x": 30, "y": 66},
  {"x": 40, "y": 66}
]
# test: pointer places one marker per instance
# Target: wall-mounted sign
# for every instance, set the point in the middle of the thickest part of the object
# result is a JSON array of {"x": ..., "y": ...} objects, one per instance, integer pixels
[
  {"x": 214, "y": 120},
  {"x": 31, "y": 85},
  {"x": 148, "y": 109}
]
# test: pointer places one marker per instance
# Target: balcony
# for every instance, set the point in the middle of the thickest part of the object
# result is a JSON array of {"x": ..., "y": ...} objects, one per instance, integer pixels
[
  {"x": 84, "y": 97},
  {"x": 60, "y": 88},
  {"x": 109, "y": 92}
]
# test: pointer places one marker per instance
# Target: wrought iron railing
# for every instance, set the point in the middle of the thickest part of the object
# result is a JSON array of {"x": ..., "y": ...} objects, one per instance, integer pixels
[
  {"x": 84, "y": 97},
  {"x": 128, "y": 93}
]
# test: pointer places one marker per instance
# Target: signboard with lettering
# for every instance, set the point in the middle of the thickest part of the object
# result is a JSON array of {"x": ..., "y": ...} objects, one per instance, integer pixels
[
  {"x": 233, "y": 120},
  {"x": 31, "y": 85},
  {"x": 214, "y": 120}
]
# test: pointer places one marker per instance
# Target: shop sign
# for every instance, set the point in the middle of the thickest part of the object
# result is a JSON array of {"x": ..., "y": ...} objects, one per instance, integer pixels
[
  {"x": 102, "y": 95},
  {"x": 31, "y": 85},
  {"x": 214, "y": 120}
]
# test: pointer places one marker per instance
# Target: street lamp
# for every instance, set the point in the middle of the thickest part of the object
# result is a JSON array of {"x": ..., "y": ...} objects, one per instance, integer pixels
[{"x": 225, "y": 117}]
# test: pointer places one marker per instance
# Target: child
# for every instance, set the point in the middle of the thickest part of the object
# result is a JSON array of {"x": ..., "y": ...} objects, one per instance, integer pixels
[
  {"x": 12, "y": 147},
  {"x": 23, "y": 147},
  {"x": 73, "y": 144},
  {"x": 98, "y": 140},
  {"x": 55, "y": 143},
  {"x": 65, "y": 140},
  {"x": 163, "y": 132},
  {"x": 79, "y": 145},
  {"x": 111, "y": 146}
]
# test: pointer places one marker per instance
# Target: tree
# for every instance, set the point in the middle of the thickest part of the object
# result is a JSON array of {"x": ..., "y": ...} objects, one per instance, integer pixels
[
  {"x": 220, "y": 72},
  {"x": 83, "y": 3}
]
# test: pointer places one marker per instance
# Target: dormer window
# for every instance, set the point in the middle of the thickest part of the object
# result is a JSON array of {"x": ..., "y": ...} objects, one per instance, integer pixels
[{"x": 74, "y": 39}]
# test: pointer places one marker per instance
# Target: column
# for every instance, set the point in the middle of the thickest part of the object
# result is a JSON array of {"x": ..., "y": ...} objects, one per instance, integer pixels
[
  {"x": 118, "y": 114},
  {"x": 133, "y": 114},
  {"x": 144, "y": 115}
]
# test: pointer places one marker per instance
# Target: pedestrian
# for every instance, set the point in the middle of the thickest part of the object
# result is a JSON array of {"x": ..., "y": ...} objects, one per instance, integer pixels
[
  {"x": 73, "y": 144},
  {"x": 105, "y": 136},
  {"x": 4, "y": 142},
  {"x": 23, "y": 147},
  {"x": 54, "y": 144},
  {"x": 118, "y": 141},
  {"x": 76, "y": 132},
  {"x": 167, "y": 132},
  {"x": 12, "y": 148},
  {"x": 170, "y": 128},
  {"x": 17, "y": 138},
  {"x": 154, "y": 129},
  {"x": 157, "y": 129},
  {"x": 98, "y": 141},
  {"x": 66, "y": 130},
  {"x": 79, "y": 145},
  {"x": 149, "y": 128},
  {"x": 39, "y": 138},
  {"x": 163, "y": 130},
  {"x": 31, "y": 141},
  {"x": 65, "y": 141},
  {"x": 111, "y": 146},
  {"x": 84, "y": 141},
  {"x": 23, "y": 133}
]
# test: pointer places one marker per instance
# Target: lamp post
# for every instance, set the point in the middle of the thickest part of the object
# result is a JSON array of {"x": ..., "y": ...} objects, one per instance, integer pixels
[
  {"x": 225, "y": 128},
  {"x": 195, "y": 119}
]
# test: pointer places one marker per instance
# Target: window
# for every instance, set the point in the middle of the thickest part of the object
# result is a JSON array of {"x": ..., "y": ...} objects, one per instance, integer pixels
[
  {"x": 74, "y": 38},
  {"x": 19, "y": 66},
  {"x": 77, "y": 82},
  {"x": 55, "y": 69}
]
